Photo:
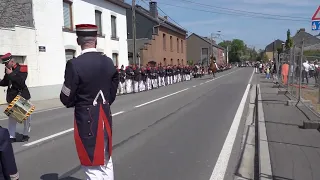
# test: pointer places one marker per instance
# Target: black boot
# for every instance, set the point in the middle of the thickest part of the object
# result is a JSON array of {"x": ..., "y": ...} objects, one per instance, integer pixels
[
  {"x": 13, "y": 140},
  {"x": 25, "y": 138}
]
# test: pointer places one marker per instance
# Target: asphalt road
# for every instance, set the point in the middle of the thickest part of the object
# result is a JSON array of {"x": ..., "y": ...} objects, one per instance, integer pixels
[{"x": 176, "y": 133}]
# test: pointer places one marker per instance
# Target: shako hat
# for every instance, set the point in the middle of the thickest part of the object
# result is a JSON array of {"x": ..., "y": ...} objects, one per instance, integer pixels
[
  {"x": 6, "y": 58},
  {"x": 86, "y": 30}
]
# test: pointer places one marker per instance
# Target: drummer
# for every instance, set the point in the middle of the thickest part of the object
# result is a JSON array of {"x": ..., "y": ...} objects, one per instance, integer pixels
[{"x": 15, "y": 77}]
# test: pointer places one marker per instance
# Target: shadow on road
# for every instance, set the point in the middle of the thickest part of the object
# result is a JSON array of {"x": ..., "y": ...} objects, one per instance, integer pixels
[{"x": 54, "y": 176}]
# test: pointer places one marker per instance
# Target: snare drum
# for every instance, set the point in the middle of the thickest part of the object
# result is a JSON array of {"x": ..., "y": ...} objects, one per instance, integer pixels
[{"x": 19, "y": 109}]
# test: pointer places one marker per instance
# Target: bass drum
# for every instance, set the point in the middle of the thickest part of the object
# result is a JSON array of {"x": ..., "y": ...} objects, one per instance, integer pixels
[{"x": 19, "y": 109}]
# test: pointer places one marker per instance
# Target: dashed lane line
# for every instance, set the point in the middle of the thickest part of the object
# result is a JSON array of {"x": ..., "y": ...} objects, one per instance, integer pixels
[
  {"x": 161, "y": 98},
  {"x": 115, "y": 114},
  {"x": 59, "y": 134}
]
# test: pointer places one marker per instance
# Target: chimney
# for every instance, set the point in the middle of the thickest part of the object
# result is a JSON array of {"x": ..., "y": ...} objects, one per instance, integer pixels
[
  {"x": 302, "y": 29},
  {"x": 165, "y": 17},
  {"x": 153, "y": 9}
]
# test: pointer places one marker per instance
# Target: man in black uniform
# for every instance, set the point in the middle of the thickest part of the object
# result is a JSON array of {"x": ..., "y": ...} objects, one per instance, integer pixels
[
  {"x": 8, "y": 167},
  {"x": 15, "y": 79},
  {"x": 90, "y": 85},
  {"x": 122, "y": 83}
]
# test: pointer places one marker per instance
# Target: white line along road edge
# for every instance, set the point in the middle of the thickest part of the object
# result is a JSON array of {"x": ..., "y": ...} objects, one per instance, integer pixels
[
  {"x": 59, "y": 134},
  {"x": 161, "y": 98},
  {"x": 220, "y": 168},
  {"x": 140, "y": 105}
]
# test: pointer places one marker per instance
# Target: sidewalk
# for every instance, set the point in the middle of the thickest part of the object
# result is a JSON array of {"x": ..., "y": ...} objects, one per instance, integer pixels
[{"x": 294, "y": 152}]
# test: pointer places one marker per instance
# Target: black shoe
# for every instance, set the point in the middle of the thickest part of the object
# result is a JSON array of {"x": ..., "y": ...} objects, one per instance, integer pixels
[
  {"x": 25, "y": 138},
  {"x": 13, "y": 140}
]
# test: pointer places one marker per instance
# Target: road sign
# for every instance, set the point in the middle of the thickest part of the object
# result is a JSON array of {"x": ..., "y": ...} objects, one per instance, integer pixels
[
  {"x": 316, "y": 16},
  {"x": 315, "y": 25}
]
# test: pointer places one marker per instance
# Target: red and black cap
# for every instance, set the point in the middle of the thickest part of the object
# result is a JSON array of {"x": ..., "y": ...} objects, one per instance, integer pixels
[
  {"x": 6, "y": 58},
  {"x": 86, "y": 30}
]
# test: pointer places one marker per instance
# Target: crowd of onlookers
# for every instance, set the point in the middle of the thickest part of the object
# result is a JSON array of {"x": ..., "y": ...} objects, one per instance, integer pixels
[{"x": 308, "y": 71}]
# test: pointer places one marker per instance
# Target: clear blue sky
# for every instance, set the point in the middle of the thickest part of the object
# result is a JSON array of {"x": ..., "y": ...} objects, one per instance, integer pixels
[{"x": 240, "y": 18}]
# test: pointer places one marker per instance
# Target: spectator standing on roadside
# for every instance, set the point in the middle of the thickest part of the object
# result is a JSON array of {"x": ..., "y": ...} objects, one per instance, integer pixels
[{"x": 305, "y": 71}]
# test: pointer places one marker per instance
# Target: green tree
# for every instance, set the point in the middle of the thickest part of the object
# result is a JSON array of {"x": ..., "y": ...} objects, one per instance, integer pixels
[
  {"x": 225, "y": 44},
  {"x": 289, "y": 41},
  {"x": 237, "y": 50}
]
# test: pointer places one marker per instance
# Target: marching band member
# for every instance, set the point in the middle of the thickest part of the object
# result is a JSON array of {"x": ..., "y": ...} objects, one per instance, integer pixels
[
  {"x": 90, "y": 86},
  {"x": 15, "y": 79},
  {"x": 142, "y": 84},
  {"x": 153, "y": 77},
  {"x": 122, "y": 82},
  {"x": 148, "y": 81},
  {"x": 136, "y": 78},
  {"x": 129, "y": 79},
  {"x": 179, "y": 69},
  {"x": 162, "y": 74},
  {"x": 8, "y": 167}
]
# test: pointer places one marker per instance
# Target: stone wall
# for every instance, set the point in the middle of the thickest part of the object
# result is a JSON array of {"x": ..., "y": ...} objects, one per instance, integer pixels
[{"x": 16, "y": 12}]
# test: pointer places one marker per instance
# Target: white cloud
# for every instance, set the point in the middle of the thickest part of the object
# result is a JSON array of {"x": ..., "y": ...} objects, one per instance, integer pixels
[{"x": 203, "y": 22}]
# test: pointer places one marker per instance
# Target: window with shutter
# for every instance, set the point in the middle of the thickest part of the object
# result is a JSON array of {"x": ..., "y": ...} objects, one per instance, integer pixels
[
  {"x": 115, "y": 58},
  {"x": 182, "y": 46},
  {"x": 113, "y": 26},
  {"x": 67, "y": 15},
  {"x": 177, "y": 44},
  {"x": 98, "y": 21}
]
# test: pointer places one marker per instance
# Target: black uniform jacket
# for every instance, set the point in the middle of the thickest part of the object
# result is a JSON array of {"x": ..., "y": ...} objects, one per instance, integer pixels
[
  {"x": 16, "y": 82},
  {"x": 8, "y": 167},
  {"x": 90, "y": 85}
]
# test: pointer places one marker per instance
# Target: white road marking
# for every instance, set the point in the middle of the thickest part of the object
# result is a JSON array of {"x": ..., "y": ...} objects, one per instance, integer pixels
[
  {"x": 251, "y": 77},
  {"x": 60, "y": 107},
  {"x": 58, "y": 134},
  {"x": 115, "y": 114},
  {"x": 161, "y": 98},
  {"x": 224, "y": 156},
  {"x": 218, "y": 77},
  {"x": 49, "y": 137}
]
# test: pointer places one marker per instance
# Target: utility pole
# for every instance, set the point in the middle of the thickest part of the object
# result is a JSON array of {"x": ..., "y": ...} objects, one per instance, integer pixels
[
  {"x": 134, "y": 38},
  {"x": 211, "y": 42},
  {"x": 227, "y": 54}
]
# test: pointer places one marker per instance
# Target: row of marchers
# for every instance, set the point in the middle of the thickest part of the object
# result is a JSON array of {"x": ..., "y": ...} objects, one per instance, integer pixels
[{"x": 135, "y": 79}]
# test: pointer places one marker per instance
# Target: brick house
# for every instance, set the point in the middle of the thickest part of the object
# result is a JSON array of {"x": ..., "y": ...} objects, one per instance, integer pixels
[{"x": 158, "y": 40}]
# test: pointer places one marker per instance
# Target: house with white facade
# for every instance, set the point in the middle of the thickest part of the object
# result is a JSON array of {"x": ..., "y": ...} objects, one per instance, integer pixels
[{"x": 41, "y": 34}]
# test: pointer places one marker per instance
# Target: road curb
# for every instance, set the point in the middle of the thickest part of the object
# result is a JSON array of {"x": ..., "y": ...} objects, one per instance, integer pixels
[
  {"x": 245, "y": 167},
  {"x": 264, "y": 154}
]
